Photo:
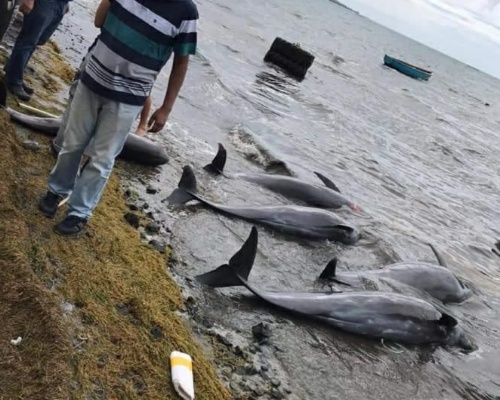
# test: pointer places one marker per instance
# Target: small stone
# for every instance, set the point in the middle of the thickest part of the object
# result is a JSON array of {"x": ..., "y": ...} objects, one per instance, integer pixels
[
  {"x": 157, "y": 332},
  {"x": 132, "y": 219},
  {"x": 253, "y": 349},
  {"x": 261, "y": 332},
  {"x": 250, "y": 369},
  {"x": 264, "y": 375},
  {"x": 133, "y": 207},
  {"x": 159, "y": 246},
  {"x": 288, "y": 390},
  {"x": 264, "y": 367},
  {"x": 102, "y": 361},
  {"x": 153, "y": 227},
  {"x": 238, "y": 351},
  {"x": 152, "y": 190},
  {"x": 276, "y": 394},
  {"x": 31, "y": 145},
  {"x": 145, "y": 206},
  {"x": 275, "y": 382},
  {"x": 122, "y": 308},
  {"x": 259, "y": 391}
]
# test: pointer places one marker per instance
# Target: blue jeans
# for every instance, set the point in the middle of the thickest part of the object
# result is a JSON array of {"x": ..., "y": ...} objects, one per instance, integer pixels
[
  {"x": 38, "y": 27},
  {"x": 107, "y": 123},
  {"x": 58, "y": 140}
]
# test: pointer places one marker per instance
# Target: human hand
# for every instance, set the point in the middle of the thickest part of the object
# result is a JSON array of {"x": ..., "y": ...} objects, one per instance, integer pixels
[
  {"x": 158, "y": 119},
  {"x": 141, "y": 130},
  {"x": 25, "y": 6}
]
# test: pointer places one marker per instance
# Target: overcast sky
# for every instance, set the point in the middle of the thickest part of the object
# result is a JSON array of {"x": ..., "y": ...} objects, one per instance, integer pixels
[{"x": 468, "y": 30}]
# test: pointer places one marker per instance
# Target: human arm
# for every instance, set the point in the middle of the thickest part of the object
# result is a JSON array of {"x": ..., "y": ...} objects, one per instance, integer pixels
[
  {"x": 184, "y": 46},
  {"x": 101, "y": 13},
  {"x": 143, "y": 122},
  {"x": 177, "y": 75}
]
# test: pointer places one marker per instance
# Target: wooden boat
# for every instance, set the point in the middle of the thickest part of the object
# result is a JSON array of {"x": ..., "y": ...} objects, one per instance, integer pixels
[{"x": 407, "y": 69}]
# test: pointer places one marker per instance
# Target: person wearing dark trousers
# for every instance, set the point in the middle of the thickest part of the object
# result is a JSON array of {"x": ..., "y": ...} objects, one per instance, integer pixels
[
  {"x": 41, "y": 19},
  {"x": 6, "y": 11}
]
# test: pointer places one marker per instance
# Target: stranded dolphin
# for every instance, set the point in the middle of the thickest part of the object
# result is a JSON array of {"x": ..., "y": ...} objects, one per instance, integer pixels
[
  {"x": 327, "y": 196},
  {"x": 306, "y": 222},
  {"x": 137, "y": 148},
  {"x": 436, "y": 280},
  {"x": 378, "y": 315}
]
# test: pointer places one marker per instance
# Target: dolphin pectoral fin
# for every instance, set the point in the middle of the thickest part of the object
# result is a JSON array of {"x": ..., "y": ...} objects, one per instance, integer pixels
[
  {"x": 438, "y": 256},
  {"x": 330, "y": 270},
  {"x": 218, "y": 163},
  {"x": 328, "y": 183},
  {"x": 3, "y": 95},
  {"x": 186, "y": 186},
  {"x": 239, "y": 266}
]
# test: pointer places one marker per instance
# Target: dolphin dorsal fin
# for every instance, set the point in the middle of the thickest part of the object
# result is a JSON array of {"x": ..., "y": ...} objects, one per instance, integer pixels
[
  {"x": 328, "y": 183},
  {"x": 330, "y": 269},
  {"x": 216, "y": 167},
  {"x": 438, "y": 256}
]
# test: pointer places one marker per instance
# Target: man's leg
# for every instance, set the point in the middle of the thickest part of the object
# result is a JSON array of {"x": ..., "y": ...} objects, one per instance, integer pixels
[
  {"x": 80, "y": 127},
  {"x": 35, "y": 23},
  {"x": 114, "y": 123},
  {"x": 57, "y": 142}
]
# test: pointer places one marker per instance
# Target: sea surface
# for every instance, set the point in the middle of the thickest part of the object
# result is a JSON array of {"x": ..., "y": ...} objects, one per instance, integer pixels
[{"x": 420, "y": 158}]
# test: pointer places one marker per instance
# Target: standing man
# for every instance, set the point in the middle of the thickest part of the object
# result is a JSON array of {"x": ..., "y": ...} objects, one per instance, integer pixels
[
  {"x": 41, "y": 19},
  {"x": 137, "y": 39}
]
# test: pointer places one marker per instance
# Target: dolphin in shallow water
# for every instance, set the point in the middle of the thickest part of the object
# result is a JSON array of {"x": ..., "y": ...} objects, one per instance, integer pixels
[
  {"x": 305, "y": 222},
  {"x": 137, "y": 148},
  {"x": 327, "y": 196},
  {"x": 436, "y": 280},
  {"x": 378, "y": 315}
]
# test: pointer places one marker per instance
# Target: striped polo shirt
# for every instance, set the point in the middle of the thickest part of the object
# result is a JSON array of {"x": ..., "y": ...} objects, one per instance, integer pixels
[{"x": 136, "y": 41}]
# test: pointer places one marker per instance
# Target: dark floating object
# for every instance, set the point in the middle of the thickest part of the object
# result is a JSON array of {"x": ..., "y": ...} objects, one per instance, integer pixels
[
  {"x": 407, "y": 69},
  {"x": 289, "y": 57}
]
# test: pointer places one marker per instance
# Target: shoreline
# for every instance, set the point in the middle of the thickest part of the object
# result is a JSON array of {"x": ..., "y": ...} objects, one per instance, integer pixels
[{"x": 99, "y": 314}]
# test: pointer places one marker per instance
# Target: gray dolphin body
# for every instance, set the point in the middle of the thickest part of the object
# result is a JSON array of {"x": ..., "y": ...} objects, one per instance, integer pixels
[
  {"x": 378, "y": 315},
  {"x": 137, "y": 148},
  {"x": 436, "y": 280},
  {"x": 327, "y": 196},
  {"x": 305, "y": 222}
]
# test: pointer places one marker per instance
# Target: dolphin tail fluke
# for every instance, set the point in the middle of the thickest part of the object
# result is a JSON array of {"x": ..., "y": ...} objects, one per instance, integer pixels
[
  {"x": 237, "y": 271},
  {"x": 3, "y": 95},
  {"x": 185, "y": 189},
  {"x": 438, "y": 256},
  {"x": 328, "y": 183},
  {"x": 218, "y": 163}
]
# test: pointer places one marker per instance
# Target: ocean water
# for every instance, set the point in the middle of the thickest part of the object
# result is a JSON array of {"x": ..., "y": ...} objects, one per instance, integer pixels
[{"x": 420, "y": 158}]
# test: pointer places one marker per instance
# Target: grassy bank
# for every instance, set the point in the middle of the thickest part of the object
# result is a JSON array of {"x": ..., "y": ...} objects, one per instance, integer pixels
[{"x": 97, "y": 314}]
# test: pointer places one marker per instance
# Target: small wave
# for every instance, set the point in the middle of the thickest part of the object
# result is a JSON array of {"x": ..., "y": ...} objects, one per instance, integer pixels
[{"x": 247, "y": 144}]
